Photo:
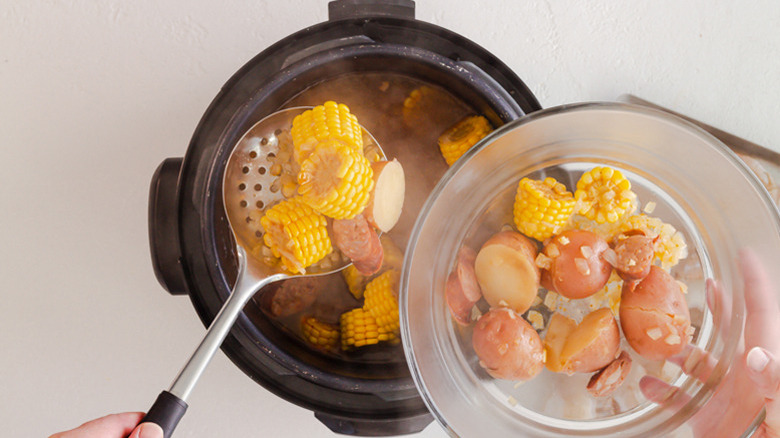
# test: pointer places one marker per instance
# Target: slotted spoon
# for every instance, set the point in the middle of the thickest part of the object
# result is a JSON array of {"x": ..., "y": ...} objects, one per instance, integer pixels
[{"x": 248, "y": 184}]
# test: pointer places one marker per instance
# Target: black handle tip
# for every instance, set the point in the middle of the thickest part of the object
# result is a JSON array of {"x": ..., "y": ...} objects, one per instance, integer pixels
[{"x": 166, "y": 412}]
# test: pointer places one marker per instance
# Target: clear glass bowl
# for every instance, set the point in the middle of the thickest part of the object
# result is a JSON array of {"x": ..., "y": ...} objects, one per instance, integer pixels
[{"x": 699, "y": 186}]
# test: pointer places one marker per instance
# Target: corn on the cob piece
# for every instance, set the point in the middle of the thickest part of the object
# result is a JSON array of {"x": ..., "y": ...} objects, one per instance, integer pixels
[
  {"x": 604, "y": 195},
  {"x": 296, "y": 233},
  {"x": 336, "y": 180},
  {"x": 461, "y": 136},
  {"x": 542, "y": 208},
  {"x": 358, "y": 329},
  {"x": 381, "y": 302},
  {"x": 670, "y": 247},
  {"x": 319, "y": 334},
  {"x": 328, "y": 121}
]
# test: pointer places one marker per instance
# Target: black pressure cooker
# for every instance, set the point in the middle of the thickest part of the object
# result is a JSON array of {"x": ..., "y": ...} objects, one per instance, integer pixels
[{"x": 191, "y": 243}]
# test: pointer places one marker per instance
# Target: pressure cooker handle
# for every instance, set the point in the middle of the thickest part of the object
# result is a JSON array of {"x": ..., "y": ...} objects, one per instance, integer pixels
[
  {"x": 342, "y": 9},
  {"x": 375, "y": 426},
  {"x": 164, "y": 227}
]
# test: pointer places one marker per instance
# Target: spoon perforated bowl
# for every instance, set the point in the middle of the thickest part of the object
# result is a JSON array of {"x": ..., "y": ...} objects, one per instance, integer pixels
[{"x": 251, "y": 183}]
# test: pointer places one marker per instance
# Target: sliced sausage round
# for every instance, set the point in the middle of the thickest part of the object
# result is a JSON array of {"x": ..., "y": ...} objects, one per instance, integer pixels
[{"x": 634, "y": 256}]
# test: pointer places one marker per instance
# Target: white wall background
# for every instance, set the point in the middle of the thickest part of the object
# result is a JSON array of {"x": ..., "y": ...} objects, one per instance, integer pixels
[{"x": 94, "y": 94}]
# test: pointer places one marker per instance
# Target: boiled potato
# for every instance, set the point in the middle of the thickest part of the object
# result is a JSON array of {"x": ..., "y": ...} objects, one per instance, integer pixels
[
  {"x": 558, "y": 330},
  {"x": 507, "y": 346},
  {"x": 387, "y": 197},
  {"x": 506, "y": 271},
  {"x": 576, "y": 267},
  {"x": 654, "y": 316},
  {"x": 582, "y": 348}
]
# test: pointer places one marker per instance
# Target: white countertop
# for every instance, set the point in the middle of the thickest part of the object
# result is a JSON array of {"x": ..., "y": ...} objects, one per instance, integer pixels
[{"x": 95, "y": 94}]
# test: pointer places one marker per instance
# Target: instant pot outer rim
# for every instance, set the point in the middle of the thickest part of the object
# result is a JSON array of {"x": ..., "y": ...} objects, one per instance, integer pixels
[
  {"x": 721, "y": 147},
  {"x": 186, "y": 207}
]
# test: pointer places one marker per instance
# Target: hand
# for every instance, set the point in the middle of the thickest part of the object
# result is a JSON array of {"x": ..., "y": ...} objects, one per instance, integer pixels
[
  {"x": 753, "y": 381},
  {"x": 114, "y": 426}
]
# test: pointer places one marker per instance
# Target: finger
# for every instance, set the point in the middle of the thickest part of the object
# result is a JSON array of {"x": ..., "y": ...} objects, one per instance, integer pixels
[
  {"x": 764, "y": 369},
  {"x": 110, "y": 425},
  {"x": 719, "y": 304},
  {"x": 695, "y": 362},
  {"x": 762, "y": 324},
  {"x": 147, "y": 430},
  {"x": 658, "y": 391}
]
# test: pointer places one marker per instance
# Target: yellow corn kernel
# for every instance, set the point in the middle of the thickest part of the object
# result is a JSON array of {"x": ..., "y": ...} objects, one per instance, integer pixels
[
  {"x": 604, "y": 195},
  {"x": 381, "y": 301},
  {"x": 296, "y": 233},
  {"x": 542, "y": 208},
  {"x": 335, "y": 180},
  {"x": 319, "y": 334},
  {"x": 461, "y": 136},
  {"x": 328, "y": 121},
  {"x": 358, "y": 329},
  {"x": 670, "y": 246}
]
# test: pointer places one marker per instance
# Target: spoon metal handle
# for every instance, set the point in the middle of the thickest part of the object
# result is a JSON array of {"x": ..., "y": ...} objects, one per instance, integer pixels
[{"x": 171, "y": 405}]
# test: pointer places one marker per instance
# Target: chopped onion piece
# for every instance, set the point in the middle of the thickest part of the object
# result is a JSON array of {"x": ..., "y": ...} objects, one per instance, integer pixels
[
  {"x": 475, "y": 313},
  {"x": 550, "y": 300},
  {"x": 673, "y": 339},
  {"x": 542, "y": 261},
  {"x": 552, "y": 250},
  {"x": 564, "y": 240},
  {"x": 610, "y": 256},
  {"x": 582, "y": 266},
  {"x": 586, "y": 251},
  {"x": 654, "y": 333},
  {"x": 649, "y": 207},
  {"x": 536, "y": 319}
]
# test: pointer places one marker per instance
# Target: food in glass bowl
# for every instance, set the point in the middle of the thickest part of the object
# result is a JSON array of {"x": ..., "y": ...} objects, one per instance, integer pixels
[{"x": 581, "y": 269}]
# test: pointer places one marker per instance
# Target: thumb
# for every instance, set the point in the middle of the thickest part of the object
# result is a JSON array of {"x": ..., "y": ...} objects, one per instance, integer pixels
[
  {"x": 147, "y": 430},
  {"x": 764, "y": 370}
]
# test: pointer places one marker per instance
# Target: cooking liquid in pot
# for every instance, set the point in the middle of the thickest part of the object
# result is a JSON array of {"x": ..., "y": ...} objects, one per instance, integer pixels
[{"x": 406, "y": 116}]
